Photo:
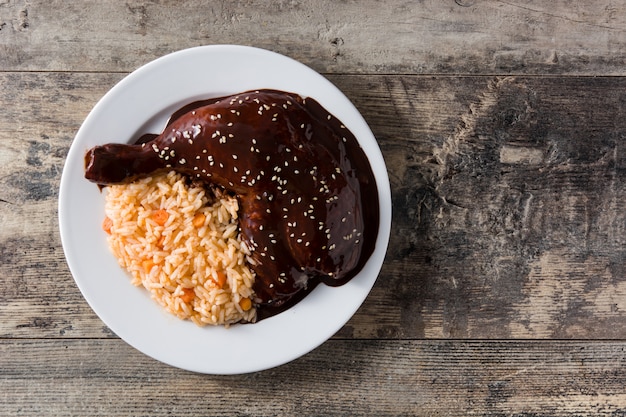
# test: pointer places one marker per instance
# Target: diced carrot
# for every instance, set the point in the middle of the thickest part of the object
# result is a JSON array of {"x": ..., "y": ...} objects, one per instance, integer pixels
[
  {"x": 198, "y": 220},
  {"x": 147, "y": 265},
  {"x": 221, "y": 279},
  {"x": 245, "y": 304},
  {"x": 160, "y": 217},
  {"x": 107, "y": 223},
  {"x": 188, "y": 295}
]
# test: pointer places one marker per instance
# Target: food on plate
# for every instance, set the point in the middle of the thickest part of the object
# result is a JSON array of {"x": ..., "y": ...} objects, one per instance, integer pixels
[
  {"x": 307, "y": 196},
  {"x": 180, "y": 241}
]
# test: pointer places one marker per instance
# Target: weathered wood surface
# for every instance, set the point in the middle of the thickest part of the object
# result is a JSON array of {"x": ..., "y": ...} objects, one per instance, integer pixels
[
  {"x": 503, "y": 127},
  {"x": 431, "y": 36},
  {"x": 343, "y": 377},
  {"x": 508, "y": 193}
]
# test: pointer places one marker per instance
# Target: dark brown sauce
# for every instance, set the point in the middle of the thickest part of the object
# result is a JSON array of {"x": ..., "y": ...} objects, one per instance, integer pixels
[{"x": 308, "y": 196}]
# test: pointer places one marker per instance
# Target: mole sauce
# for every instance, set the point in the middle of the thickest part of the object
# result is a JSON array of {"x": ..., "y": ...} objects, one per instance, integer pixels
[{"x": 307, "y": 194}]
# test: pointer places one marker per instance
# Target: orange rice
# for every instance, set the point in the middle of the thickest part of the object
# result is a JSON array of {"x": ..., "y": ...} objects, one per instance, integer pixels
[{"x": 183, "y": 246}]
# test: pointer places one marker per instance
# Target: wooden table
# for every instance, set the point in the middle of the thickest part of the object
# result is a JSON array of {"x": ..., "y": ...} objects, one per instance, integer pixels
[{"x": 503, "y": 126}]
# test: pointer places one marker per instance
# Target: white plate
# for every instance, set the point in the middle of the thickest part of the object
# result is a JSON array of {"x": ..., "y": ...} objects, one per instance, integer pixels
[{"x": 142, "y": 102}]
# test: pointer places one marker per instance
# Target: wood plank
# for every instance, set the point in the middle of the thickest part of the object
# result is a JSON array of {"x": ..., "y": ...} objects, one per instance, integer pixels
[
  {"x": 399, "y": 37},
  {"x": 359, "y": 378},
  {"x": 508, "y": 199},
  {"x": 511, "y": 222},
  {"x": 41, "y": 114}
]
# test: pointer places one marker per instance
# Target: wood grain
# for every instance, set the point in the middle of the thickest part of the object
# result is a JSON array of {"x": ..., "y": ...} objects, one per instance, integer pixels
[
  {"x": 358, "y": 378},
  {"x": 394, "y": 37},
  {"x": 502, "y": 124},
  {"x": 508, "y": 196}
]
